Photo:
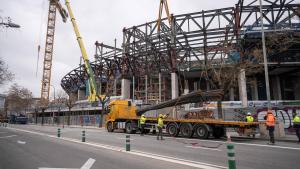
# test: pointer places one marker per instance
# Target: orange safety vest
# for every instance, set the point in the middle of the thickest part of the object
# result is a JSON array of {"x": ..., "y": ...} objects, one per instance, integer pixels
[{"x": 270, "y": 120}]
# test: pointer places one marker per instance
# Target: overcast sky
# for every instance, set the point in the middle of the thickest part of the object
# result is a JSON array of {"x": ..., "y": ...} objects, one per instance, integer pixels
[{"x": 98, "y": 20}]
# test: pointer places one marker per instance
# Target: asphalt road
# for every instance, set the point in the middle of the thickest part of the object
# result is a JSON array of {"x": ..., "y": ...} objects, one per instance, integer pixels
[{"x": 46, "y": 150}]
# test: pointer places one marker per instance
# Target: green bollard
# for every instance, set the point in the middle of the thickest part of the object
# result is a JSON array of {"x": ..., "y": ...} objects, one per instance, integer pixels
[
  {"x": 127, "y": 142},
  {"x": 231, "y": 156},
  {"x": 58, "y": 132},
  {"x": 83, "y": 136}
]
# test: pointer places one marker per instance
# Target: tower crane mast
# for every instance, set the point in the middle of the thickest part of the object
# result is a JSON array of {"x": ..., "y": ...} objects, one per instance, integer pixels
[{"x": 47, "y": 64}]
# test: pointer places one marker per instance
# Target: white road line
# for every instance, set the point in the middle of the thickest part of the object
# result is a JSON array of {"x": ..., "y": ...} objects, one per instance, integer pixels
[
  {"x": 56, "y": 168},
  {"x": 178, "y": 161},
  {"x": 205, "y": 148},
  {"x": 21, "y": 142},
  {"x": 139, "y": 153},
  {"x": 88, "y": 164},
  {"x": 8, "y": 136}
]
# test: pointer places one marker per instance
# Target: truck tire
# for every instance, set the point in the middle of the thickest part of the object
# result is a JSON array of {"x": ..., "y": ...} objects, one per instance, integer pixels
[
  {"x": 146, "y": 131},
  {"x": 172, "y": 129},
  {"x": 218, "y": 132},
  {"x": 110, "y": 127},
  {"x": 201, "y": 131},
  {"x": 129, "y": 128},
  {"x": 186, "y": 130}
]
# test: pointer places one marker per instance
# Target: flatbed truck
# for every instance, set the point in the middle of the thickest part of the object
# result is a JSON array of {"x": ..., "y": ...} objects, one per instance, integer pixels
[{"x": 124, "y": 116}]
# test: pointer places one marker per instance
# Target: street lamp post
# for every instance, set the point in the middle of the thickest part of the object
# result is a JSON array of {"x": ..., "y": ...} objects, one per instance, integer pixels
[
  {"x": 265, "y": 56},
  {"x": 54, "y": 104}
]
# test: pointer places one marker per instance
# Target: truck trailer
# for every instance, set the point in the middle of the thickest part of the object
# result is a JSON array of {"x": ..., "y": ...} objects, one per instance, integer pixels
[{"x": 122, "y": 114}]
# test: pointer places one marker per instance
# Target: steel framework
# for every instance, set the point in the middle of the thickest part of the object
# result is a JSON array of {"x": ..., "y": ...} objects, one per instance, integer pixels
[{"x": 196, "y": 41}]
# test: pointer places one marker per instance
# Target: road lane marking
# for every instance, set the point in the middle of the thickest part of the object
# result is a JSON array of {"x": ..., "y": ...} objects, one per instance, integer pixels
[
  {"x": 8, "y": 136},
  {"x": 88, "y": 164},
  {"x": 56, "y": 168},
  {"x": 195, "y": 164},
  {"x": 21, "y": 142},
  {"x": 205, "y": 148}
]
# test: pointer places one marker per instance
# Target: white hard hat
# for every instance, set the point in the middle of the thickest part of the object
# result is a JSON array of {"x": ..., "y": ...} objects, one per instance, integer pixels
[{"x": 249, "y": 113}]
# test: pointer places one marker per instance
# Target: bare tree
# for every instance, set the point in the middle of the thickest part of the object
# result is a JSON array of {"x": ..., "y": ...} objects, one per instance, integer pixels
[
  {"x": 5, "y": 74},
  {"x": 18, "y": 99},
  {"x": 60, "y": 100},
  {"x": 70, "y": 102}
]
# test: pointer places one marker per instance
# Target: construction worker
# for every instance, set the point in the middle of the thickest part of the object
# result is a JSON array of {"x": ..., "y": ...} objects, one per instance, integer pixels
[
  {"x": 296, "y": 125},
  {"x": 160, "y": 125},
  {"x": 142, "y": 124},
  {"x": 270, "y": 122},
  {"x": 249, "y": 118}
]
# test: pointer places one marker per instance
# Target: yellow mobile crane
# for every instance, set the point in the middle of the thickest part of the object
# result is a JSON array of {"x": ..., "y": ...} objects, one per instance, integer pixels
[
  {"x": 53, "y": 6},
  {"x": 92, "y": 84}
]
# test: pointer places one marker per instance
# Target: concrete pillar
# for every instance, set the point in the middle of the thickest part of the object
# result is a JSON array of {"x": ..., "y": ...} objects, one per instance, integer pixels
[
  {"x": 207, "y": 85},
  {"x": 159, "y": 86},
  {"x": 231, "y": 94},
  {"x": 174, "y": 85},
  {"x": 133, "y": 88},
  {"x": 195, "y": 86},
  {"x": 243, "y": 88},
  {"x": 125, "y": 88},
  {"x": 186, "y": 91},
  {"x": 81, "y": 95},
  {"x": 254, "y": 91},
  {"x": 146, "y": 88},
  {"x": 276, "y": 87},
  {"x": 115, "y": 87}
]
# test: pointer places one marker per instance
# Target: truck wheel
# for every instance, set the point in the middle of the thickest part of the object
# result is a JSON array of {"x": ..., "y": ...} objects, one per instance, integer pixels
[
  {"x": 202, "y": 131},
  {"x": 218, "y": 132},
  {"x": 172, "y": 129},
  {"x": 146, "y": 131},
  {"x": 129, "y": 128},
  {"x": 186, "y": 130},
  {"x": 110, "y": 127}
]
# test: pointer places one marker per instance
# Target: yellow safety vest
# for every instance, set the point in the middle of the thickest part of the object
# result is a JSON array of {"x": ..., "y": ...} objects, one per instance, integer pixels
[
  {"x": 142, "y": 120},
  {"x": 249, "y": 118},
  {"x": 296, "y": 120},
  {"x": 160, "y": 122}
]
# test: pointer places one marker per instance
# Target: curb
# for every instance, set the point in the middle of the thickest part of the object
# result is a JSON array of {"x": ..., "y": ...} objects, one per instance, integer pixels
[{"x": 266, "y": 139}]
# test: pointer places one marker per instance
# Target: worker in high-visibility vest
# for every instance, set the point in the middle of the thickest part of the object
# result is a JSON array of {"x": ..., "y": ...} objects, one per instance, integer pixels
[
  {"x": 160, "y": 125},
  {"x": 142, "y": 124},
  {"x": 249, "y": 118},
  {"x": 296, "y": 122},
  {"x": 270, "y": 122}
]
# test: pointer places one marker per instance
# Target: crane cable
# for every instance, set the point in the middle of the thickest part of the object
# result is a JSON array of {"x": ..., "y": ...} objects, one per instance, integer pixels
[{"x": 40, "y": 36}]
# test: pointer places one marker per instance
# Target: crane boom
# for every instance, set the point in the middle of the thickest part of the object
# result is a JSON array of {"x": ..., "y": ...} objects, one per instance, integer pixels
[
  {"x": 92, "y": 84},
  {"x": 53, "y": 5},
  {"x": 161, "y": 6}
]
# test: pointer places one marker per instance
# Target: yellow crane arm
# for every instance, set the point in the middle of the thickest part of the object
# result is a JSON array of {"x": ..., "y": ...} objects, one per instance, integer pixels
[
  {"x": 90, "y": 72},
  {"x": 161, "y": 6}
]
